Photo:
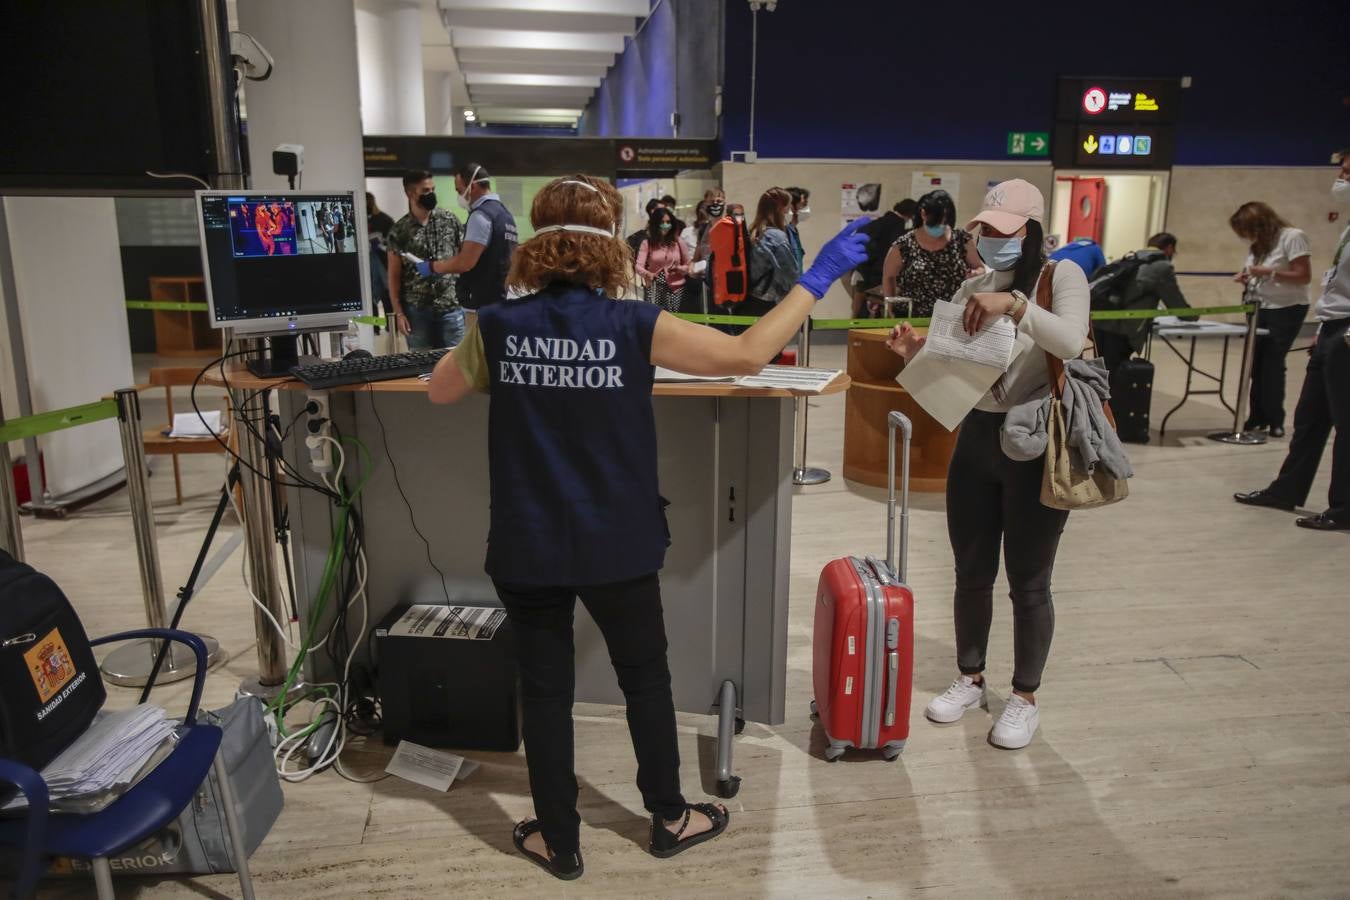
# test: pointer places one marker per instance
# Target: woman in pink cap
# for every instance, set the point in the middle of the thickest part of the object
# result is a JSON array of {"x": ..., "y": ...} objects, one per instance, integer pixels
[{"x": 994, "y": 502}]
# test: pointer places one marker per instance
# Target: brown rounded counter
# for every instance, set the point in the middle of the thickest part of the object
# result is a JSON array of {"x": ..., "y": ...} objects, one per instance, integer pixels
[{"x": 872, "y": 394}]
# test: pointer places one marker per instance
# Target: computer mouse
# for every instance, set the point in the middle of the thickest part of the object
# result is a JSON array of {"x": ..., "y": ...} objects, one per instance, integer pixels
[{"x": 359, "y": 354}]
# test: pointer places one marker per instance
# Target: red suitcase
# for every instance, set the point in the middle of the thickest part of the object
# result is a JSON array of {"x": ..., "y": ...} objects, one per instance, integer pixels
[{"x": 864, "y": 635}]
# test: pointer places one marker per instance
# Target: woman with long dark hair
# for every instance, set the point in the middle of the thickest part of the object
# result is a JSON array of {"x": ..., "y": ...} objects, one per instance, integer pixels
[
  {"x": 929, "y": 263},
  {"x": 1277, "y": 273},
  {"x": 773, "y": 264},
  {"x": 993, "y": 502},
  {"x": 576, "y": 508},
  {"x": 662, "y": 253}
]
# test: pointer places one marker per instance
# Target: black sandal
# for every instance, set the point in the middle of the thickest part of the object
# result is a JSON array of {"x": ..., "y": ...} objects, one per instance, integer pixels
[
  {"x": 666, "y": 843},
  {"x": 567, "y": 866}
]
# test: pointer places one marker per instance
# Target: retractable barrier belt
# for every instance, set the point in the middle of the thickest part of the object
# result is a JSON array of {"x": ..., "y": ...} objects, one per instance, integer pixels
[
  {"x": 166, "y": 305},
  {"x": 56, "y": 420},
  {"x": 919, "y": 322}
]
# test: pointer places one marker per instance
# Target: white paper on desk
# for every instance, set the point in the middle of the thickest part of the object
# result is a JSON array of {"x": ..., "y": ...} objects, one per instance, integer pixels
[
  {"x": 947, "y": 389},
  {"x": 793, "y": 378},
  {"x": 992, "y": 346},
  {"x": 192, "y": 425},
  {"x": 664, "y": 374},
  {"x": 434, "y": 769}
]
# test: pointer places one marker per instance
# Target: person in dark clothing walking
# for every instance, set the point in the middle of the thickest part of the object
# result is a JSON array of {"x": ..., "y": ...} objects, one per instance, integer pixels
[{"x": 1154, "y": 282}]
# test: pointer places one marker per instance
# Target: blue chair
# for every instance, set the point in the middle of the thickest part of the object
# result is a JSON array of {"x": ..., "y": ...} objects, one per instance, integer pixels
[{"x": 143, "y": 810}]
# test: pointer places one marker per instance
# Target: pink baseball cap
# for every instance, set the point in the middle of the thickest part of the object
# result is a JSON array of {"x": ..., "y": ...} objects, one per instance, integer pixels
[{"x": 1008, "y": 205}]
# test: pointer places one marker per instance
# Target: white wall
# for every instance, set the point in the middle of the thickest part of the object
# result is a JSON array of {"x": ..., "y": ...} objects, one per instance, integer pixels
[
  {"x": 313, "y": 96},
  {"x": 744, "y": 182},
  {"x": 393, "y": 88},
  {"x": 68, "y": 277}
]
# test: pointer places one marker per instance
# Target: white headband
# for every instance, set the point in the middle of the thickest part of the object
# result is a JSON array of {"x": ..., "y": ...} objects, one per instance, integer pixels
[
  {"x": 588, "y": 186},
  {"x": 584, "y": 229}
]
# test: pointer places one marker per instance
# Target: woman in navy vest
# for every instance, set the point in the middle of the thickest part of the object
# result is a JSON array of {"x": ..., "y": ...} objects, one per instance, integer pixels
[{"x": 575, "y": 506}]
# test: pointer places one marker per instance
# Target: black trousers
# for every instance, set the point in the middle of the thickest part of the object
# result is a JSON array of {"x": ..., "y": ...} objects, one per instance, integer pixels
[
  {"x": 1323, "y": 404},
  {"x": 630, "y": 618},
  {"x": 992, "y": 500},
  {"x": 1268, "y": 362}
]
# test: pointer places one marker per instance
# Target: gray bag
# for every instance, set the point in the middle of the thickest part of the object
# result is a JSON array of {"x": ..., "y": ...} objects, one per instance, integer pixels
[{"x": 198, "y": 842}]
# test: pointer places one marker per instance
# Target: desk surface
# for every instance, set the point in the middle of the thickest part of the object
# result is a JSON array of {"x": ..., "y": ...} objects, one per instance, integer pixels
[
  {"x": 1206, "y": 329},
  {"x": 240, "y": 377}
]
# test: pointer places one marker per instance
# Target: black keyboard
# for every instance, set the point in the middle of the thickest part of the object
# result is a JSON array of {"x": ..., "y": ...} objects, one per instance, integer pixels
[{"x": 363, "y": 371}]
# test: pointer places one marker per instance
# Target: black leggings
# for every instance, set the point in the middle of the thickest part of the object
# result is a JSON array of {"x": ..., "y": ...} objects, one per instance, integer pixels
[
  {"x": 630, "y": 618},
  {"x": 1268, "y": 363},
  {"x": 992, "y": 500}
]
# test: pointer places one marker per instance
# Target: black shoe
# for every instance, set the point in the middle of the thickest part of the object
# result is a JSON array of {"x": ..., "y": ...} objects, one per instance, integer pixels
[
  {"x": 566, "y": 866},
  {"x": 1277, "y": 431},
  {"x": 665, "y": 844},
  {"x": 1264, "y": 498},
  {"x": 1322, "y": 522}
]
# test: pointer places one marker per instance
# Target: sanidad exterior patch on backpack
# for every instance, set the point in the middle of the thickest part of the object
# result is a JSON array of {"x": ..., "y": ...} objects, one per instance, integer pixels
[{"x": 50, "y": 689}]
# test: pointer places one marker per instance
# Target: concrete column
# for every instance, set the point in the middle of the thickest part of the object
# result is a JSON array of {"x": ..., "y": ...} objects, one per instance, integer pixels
[
  {"x": 439, "y": 108},
  {"x": 393, "y": 91},
  {"x": 313, "y": 97}
]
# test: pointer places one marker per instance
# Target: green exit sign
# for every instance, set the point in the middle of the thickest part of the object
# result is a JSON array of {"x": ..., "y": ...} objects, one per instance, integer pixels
[{"x": 1028, "y": 143}]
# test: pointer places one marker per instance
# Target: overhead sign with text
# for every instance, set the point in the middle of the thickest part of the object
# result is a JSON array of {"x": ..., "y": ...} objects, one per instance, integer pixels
[{"x": 1116, "y": 123}]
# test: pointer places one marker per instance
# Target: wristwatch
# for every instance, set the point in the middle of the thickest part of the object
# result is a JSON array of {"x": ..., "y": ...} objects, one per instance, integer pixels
[{"x": 1019, "y": 301}]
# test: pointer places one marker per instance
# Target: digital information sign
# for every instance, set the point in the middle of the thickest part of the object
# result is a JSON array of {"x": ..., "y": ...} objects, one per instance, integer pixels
[{"x": 1116, "y": 123}]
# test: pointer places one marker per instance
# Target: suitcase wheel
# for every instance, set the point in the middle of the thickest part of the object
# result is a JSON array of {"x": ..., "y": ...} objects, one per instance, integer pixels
[
  {"x": 833, "y": 753},
  {"x": 740, "y": 725},
  {"x": 729, "y": 788},
  {"x": 815, "y": 710},
  {"x": 892, "y": 751}
]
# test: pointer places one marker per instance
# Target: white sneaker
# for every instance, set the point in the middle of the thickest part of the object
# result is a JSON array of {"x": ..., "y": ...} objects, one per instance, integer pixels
[
  {"x": 1015, "y": 728},
  {"x": 950, "y": 706}
]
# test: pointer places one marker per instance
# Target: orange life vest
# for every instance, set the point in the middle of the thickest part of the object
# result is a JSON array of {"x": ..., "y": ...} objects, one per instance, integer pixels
[{"x": 730, "y": 262}]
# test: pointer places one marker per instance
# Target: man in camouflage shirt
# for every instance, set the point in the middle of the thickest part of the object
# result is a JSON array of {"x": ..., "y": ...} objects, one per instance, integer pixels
[{"x": 429, "y": 312}]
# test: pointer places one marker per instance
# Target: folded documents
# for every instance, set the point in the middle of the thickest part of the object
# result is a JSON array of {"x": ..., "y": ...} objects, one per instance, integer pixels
[
  {"x": 107, "y": 759},
  {"x": 434, "y": 769},
  {"x": 792, "y": 378},
  {"x": 993, "y": 345},
  {"x": 946, "y": 388},
  {"x": 193, "y": 425}
]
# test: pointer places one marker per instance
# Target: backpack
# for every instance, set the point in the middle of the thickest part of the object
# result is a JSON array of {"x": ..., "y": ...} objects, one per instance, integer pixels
[
  {"x": 50, "y": 687},
  {"x": 730, "y": 267},
  {"x": 1112, "y": 281}
]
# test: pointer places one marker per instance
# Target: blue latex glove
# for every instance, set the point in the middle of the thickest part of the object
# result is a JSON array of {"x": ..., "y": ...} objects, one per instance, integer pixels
[
  {"x": 844, "y": 252},
  {"x": 424, "y": 268}
]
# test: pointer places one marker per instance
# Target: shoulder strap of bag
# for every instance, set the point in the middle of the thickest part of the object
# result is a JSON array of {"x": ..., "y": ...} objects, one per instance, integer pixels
[{"x": 1044, "y": 299}]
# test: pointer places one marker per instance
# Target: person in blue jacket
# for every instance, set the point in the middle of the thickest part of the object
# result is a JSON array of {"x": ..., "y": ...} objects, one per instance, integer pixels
[
  {"x": 576, "y": 510},
  {"x": 1085, "y": 253}
]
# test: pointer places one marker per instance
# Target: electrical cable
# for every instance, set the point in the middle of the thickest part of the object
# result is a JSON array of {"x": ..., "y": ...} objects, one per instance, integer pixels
[{"x": 173, "y": 175}]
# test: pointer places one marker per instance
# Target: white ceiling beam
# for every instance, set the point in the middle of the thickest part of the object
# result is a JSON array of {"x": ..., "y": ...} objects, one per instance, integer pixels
[
  {"x": 559, "y": 21},
  {"x": 528, "y": 90},
  {"x": 506, "y": 39},
  {"x": 541, "y": 65},
  {"x": 635, "y": 8},
  {"x": 475, "y": 78},
  {"x": 470, "y": 57}
]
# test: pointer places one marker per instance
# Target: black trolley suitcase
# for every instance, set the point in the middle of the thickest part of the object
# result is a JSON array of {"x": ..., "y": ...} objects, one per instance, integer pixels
[{"x": 1131, "y": 395}]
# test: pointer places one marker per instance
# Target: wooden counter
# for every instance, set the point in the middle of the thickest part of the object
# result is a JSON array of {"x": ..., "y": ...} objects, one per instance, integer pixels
[
  {"x": 240, "y": 377},
  {"x": 872, "y": 394}
]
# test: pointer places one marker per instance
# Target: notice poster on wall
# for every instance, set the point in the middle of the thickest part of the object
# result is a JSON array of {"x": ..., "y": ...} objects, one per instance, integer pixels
[
  {"x": 923, "y": 182},
  {"x": 858, "y": 200}
]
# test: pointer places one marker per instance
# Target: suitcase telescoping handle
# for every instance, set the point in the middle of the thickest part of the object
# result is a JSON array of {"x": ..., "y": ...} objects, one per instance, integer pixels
[{"x": 897, "y": 420}]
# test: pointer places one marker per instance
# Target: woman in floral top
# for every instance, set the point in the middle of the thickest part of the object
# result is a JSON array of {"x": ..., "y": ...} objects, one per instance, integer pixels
[{"x": 929, "y": 263}]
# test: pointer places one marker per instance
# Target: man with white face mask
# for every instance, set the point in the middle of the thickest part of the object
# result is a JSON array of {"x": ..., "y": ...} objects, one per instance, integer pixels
[
  {"x": 489, "y": 241},
  {"x": 1324, "y": 403}
]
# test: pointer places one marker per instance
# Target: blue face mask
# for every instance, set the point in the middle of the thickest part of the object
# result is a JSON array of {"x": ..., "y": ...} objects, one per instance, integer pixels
[
  {"x": 936, "y": 231},
  {"x": 999, "y": 254}
]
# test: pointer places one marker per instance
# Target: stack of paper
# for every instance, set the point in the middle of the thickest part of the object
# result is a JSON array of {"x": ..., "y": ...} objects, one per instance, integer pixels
[
  {"x": 991, "y": 346},
  {"x": 107, "y": 758},
  {"x": 793, "y": 378}
]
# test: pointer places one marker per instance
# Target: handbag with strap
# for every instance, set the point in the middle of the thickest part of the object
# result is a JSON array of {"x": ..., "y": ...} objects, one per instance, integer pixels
[
  {"x": 1063, "y": 486},
  {"x": 660, "y": 293}
]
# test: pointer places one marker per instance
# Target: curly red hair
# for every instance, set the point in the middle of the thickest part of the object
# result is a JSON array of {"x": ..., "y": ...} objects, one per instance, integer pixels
[{"x": 589, "y": 260}]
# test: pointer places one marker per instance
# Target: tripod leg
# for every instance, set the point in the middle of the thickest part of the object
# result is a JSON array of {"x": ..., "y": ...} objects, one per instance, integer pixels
[{"x": 186, "y": 591}]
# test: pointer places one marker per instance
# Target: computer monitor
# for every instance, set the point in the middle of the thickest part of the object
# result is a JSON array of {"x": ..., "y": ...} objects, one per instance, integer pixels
[{"x": 279, "y": 263}]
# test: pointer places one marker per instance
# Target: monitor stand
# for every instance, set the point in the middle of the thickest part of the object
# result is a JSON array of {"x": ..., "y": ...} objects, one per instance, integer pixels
[{"x": 283, "y": 355}]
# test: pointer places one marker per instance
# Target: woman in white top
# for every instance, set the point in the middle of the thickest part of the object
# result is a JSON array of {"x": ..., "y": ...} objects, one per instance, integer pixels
[
  {"x": 1277, "y": 273},
  {"x": 994, "y": 502}
]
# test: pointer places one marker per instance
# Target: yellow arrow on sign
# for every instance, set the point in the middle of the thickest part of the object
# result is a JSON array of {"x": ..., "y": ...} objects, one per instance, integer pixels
[{"x": 1090, "y": 145}]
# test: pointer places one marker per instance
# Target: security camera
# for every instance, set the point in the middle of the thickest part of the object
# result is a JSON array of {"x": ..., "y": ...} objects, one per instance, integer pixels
[
  {"x": 288, "y": 160},
  {"x": 250, "y": 57},
  {"x": 766, "y": 5}
]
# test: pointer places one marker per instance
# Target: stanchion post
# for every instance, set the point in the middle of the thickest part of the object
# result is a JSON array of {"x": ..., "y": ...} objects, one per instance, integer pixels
[
  {"x": 801, "y": 472},
  {"x": 130, "y": 664},
  {"x": 391, "y": 325},
  {"x": 1237, "y": 435},
  {"x": 11, "y": 537},
  {"x": 259, "y": 545}
]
